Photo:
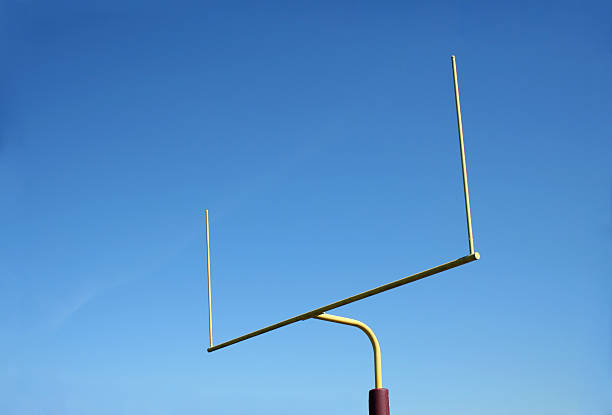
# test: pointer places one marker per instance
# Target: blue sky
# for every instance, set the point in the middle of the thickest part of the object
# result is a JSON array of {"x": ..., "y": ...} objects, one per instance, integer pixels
[{"x": 322, "y": 138}]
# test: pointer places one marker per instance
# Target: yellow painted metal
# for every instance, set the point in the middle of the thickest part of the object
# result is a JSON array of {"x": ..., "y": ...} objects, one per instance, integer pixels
[
  {"x": 208, "y": 268},
  {"x": 310, "y": 314},
  {"x": 466, "y": 193},
  {"x": 367, "y": 330},
  {"x": 316, "y": 313}
]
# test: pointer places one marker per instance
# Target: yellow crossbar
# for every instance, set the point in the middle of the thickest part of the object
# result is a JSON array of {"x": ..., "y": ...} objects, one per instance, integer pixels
[{"x": 352, "y": 299}]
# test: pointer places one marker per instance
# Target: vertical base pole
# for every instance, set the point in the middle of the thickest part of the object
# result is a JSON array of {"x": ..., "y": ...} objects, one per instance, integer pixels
[{"x": 379, "y": 401}]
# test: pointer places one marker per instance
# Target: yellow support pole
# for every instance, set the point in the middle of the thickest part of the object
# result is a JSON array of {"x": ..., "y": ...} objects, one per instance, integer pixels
[
  {"x": 368, "y": 331},
  {"x": 466, "y": 193},
  {"x": 208, "y": 268}
]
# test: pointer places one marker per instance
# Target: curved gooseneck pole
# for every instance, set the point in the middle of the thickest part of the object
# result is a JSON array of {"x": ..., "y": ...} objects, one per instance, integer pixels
[{"x": 368, "y": 331}]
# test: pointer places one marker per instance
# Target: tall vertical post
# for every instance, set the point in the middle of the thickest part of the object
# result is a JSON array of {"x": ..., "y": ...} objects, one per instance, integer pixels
[
  {"x": 208, "y": 268},
  {"x": 466, "y": 193}
]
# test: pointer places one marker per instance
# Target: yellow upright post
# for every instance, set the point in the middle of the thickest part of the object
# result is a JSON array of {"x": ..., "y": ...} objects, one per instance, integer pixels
[
  {"x": 466, "y": 193},
  {"x": 208, "y": 268}
]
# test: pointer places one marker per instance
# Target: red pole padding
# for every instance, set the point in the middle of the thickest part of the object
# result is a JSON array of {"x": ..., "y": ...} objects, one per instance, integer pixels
[{"x": 379, "y": 401}]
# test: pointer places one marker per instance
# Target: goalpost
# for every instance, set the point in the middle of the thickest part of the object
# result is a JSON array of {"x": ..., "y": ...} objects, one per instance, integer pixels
[{"x": 379, "y": 396}]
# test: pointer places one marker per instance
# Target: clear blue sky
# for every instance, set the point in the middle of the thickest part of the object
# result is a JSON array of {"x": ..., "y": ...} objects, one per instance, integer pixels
[{"x": 322, "y": 138}]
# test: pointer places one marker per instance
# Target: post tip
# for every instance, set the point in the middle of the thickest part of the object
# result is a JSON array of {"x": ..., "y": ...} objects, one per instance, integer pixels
[{"x": 476, "y": 255}]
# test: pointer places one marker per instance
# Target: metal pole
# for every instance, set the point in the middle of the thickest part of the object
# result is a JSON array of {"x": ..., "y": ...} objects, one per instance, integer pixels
[
  {"x": 313, "y": 313},
  {"x": 208, "y": 268},
  {"x": 466, "y": 193},
  {"x": 378, "y": 398},
  {"x": 368, "y": 331}
]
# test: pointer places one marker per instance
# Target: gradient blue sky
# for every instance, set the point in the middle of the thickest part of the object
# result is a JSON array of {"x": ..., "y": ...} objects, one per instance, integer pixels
[{"x": 322, "y": 137}]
